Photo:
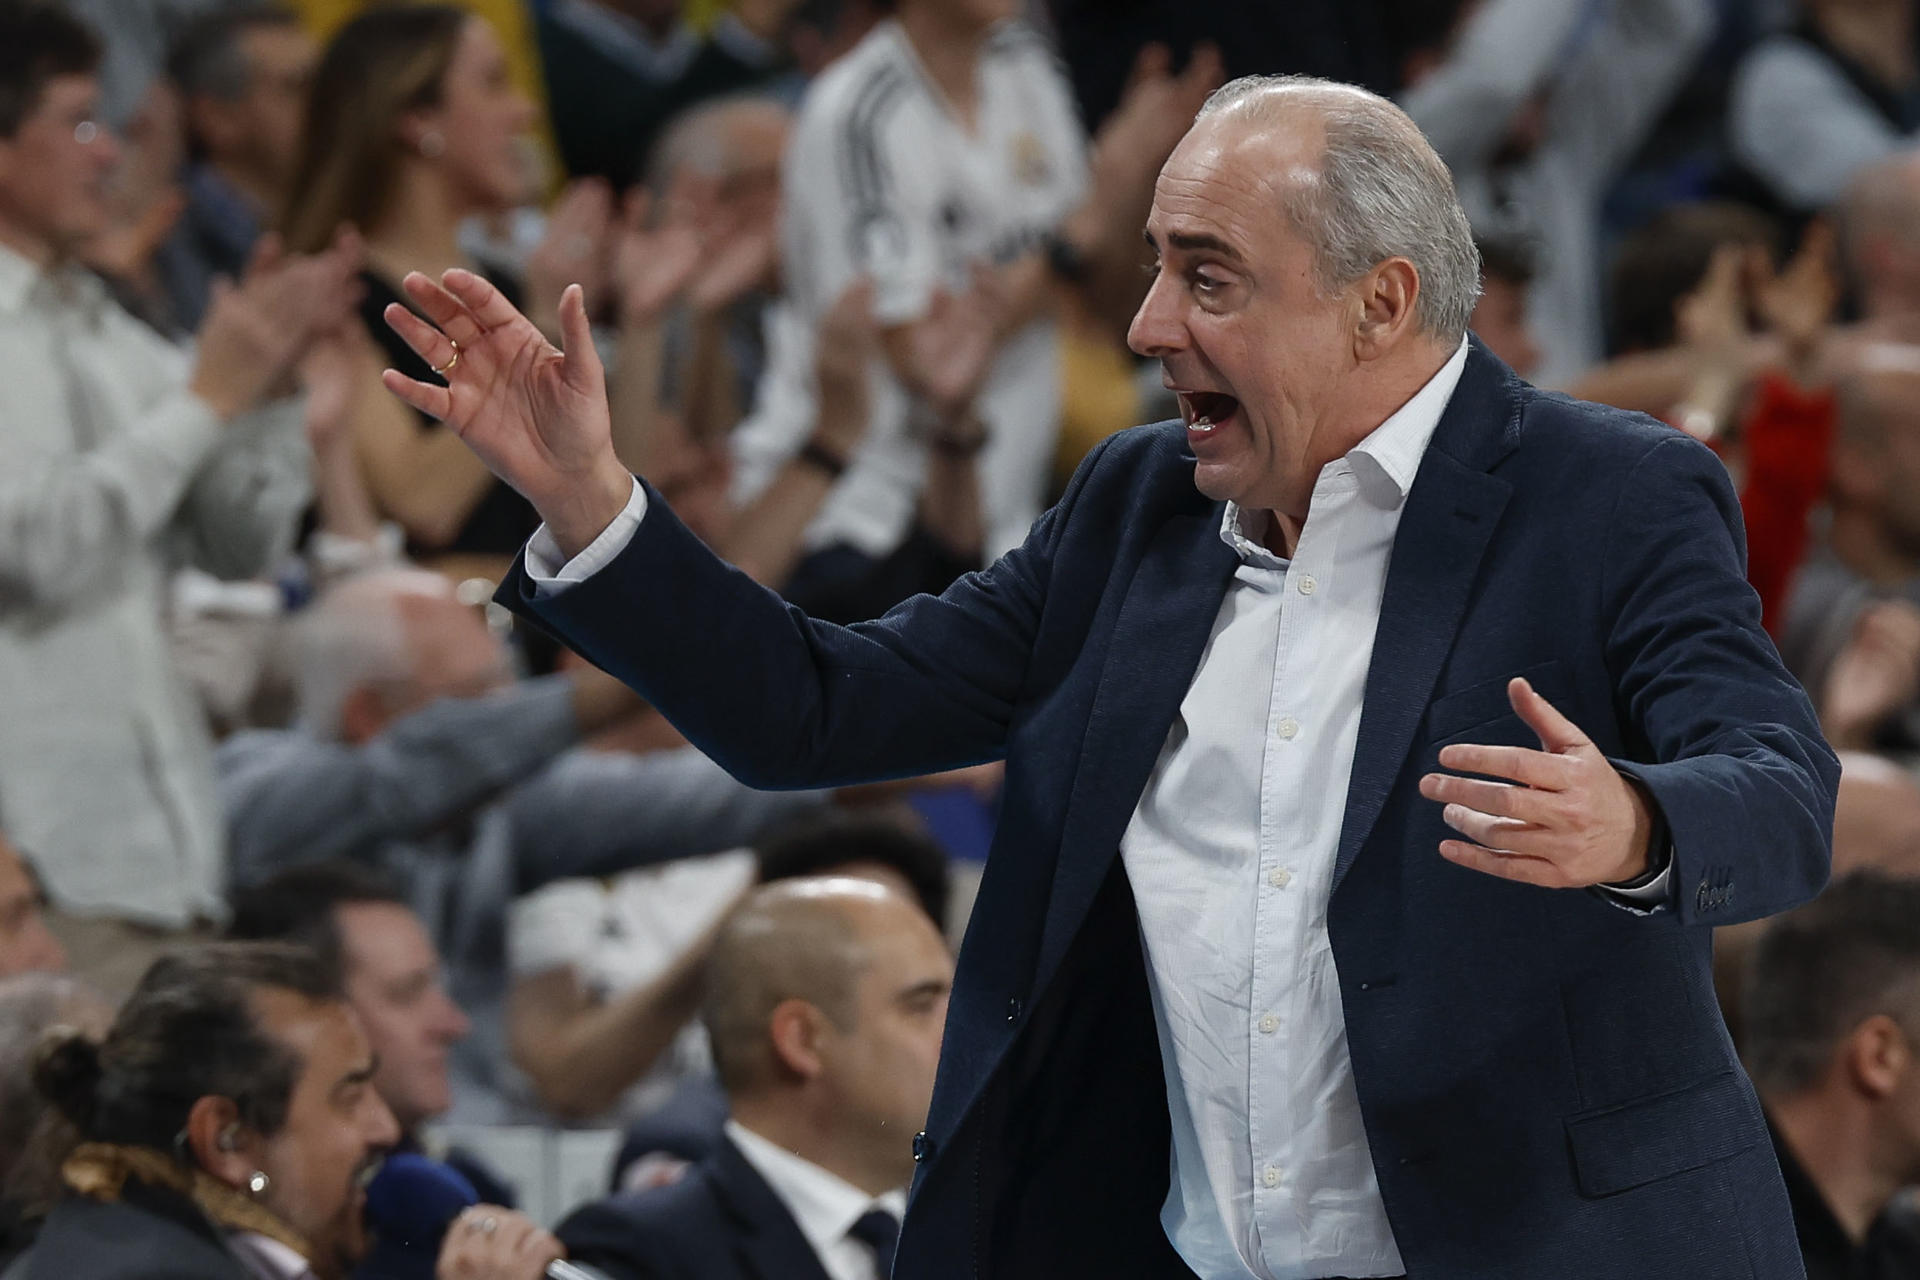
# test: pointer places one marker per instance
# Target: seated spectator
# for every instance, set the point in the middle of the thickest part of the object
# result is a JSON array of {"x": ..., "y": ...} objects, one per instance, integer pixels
[
  {"x": 1500, "y": 320},
  {"x": 26, "y": 944},
  {"x": 242, "y": 75},
  {"x": 31, "y": 1004},
  {"x": 1879, "y": 225},
  {"x": 416, "y": 753},
  {"x": 1852, "y": 630},
  {"x": 607, "y": 976},
  {"x": 1813, "y": 107},
  {"x": 607, "y": 973},
  {"x": 357, "y": 922},
  {"x": 1537, "y": 110},
  {"x": 1833, "y": 1044},
  {"x": 224, "y": 1123},
  {"x": 123, "y": 457},
  {"x": 825, "y": 1003},
  {"x": 618, "y": 70}
]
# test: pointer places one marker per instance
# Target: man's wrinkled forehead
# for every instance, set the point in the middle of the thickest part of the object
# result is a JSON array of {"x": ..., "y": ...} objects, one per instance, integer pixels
[{"x": 1230, "y": 176}]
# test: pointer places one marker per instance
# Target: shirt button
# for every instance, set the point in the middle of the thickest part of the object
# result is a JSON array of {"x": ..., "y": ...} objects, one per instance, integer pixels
[
  {"x": 1307, "y": 584},
  {"x": 1270, "y": 1176},
  {"x": 1268, "y": 1024},
  {"x": 1289, "y": 728},
  {"x": 1279, "y": 877}
]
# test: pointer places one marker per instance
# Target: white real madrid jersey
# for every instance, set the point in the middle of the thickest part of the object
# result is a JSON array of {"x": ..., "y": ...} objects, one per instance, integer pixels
[{"x": 882, "y": 180}]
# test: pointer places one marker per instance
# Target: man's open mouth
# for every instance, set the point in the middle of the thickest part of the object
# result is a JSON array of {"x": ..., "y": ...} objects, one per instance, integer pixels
[{"x": 1207, "y": 411}]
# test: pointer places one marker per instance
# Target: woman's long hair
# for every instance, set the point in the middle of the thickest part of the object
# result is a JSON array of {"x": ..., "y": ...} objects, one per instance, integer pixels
[{"x": 378, "y": 67}]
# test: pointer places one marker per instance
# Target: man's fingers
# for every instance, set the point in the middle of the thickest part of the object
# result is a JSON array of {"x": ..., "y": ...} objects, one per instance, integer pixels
[
  {"x": 1508, "y": 866},
  {"x": 576, "y": 339},
  {"x": 445, "y": 310},
  {"x": 1557, "y": 733},
  {"x": 488, "y": 305},
  {"x": 1537, "y": 769},
  {"x": 268, "y": 250},
  {"x": 1501, "y": 799},
  {"x": 1508, "y": 834},
  {"x": 435, "y": 402},
  {"x": 427, "y": 342}
]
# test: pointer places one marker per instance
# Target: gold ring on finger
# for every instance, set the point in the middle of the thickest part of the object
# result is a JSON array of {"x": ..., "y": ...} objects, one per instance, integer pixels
[{"x": 444, "y": 369}]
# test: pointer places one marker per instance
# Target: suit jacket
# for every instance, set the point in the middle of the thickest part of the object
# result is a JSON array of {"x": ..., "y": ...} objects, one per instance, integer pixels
[
  {"x": 1545, "y": 1080},
  {"x": 720, "y": 1222},
  {"x": 150, "y": 1233}
]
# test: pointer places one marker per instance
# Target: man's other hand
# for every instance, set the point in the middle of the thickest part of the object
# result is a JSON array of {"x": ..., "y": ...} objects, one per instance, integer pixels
[
  {"x": 1563, "y": 818},
  {"x": 536, "y": 415}
]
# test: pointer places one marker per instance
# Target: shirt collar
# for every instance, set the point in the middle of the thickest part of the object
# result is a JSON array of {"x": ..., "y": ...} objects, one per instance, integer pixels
[
  {"x": 824, "y": 1205},
  {"x": 267, "y": 1258},
  {"x": 1385, "y": 462},
  {"x": 25, "y": 286}
]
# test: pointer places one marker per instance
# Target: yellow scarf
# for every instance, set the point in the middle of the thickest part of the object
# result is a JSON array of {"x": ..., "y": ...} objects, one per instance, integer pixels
[{"x": 99, "y": 1171}]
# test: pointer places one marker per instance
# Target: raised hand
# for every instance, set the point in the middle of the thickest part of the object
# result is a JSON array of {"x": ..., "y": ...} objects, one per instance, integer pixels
[
  {"x": 535, "y": 414},
  {"x": 655, "y": 260},
  {"x": 1567, "y": 819},
  {"x": 575, "y": 248},
  {"x": 1874, "y": 677},
  {"x": 255, "y": 331}
]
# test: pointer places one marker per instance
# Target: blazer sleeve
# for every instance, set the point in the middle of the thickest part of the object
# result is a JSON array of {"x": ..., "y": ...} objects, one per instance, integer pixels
[
  {"x": 782, "y": 700},
  {"x": 1743, "y": 777}
]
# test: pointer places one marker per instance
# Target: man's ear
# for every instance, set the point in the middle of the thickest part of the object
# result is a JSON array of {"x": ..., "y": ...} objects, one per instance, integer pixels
[
  {"x": 1876, "y": 1056},
  {"x": 795, "y": 1029},
  {"x": 1388, "y": 297},
  {"x": 221, "y": 1144}
]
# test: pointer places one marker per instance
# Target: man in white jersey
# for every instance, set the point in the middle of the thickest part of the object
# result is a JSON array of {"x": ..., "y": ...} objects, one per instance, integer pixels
[{"x": 946, "y": 140}]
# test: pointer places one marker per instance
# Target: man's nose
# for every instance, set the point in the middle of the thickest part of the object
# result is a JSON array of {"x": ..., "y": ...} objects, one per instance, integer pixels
[
  {"x": 451, "y": 1020},
  {"x": 1157, "y": 329},
  {"x": 379, "y": 1128}
]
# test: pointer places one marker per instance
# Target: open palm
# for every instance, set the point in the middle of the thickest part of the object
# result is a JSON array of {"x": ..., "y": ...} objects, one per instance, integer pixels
[{"x": 536, "y": 415}]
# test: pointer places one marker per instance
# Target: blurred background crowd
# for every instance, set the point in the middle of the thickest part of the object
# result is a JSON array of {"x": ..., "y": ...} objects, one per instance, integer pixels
[{"x": 862, "y": 271}]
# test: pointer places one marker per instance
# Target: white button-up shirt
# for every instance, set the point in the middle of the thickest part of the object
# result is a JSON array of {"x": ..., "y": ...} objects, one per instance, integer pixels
[
  {"x": 824, "y": 1205},
  {"x": 1230, "y": 854}
]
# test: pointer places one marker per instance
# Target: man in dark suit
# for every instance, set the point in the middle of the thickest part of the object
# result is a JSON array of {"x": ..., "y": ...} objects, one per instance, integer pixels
[
  {"x": 825, "y": 1003},
  {"x": 1260, "y": 983}
]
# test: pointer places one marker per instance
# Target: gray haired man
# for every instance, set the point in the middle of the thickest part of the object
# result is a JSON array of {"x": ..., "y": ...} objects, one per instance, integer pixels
[{"x": 1380, "y": 740}]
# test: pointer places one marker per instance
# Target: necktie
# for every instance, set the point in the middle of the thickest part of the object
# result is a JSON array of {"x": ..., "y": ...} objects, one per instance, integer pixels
[{"x": 881, "y": 1230}]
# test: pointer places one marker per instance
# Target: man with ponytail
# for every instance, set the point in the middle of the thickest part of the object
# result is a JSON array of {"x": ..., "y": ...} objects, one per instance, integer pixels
[{"x": 225, "y": 1128}]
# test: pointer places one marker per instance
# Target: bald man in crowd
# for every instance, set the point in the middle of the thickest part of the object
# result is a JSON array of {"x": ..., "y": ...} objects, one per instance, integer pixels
[
  {"x": 825, "y": 999},
  {"x": 1260, "y": 985}
]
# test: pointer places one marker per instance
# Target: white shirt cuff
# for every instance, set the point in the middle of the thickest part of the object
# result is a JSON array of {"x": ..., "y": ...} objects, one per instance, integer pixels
[
  {"x": 1646, "y": 898},
  {"x": 544, "y": 564}
]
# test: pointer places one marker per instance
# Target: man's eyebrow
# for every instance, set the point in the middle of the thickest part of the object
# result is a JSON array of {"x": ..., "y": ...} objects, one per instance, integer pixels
[
  {"x": 930, "y": 987},
  {"x": 360, "y": 1076},
  {"x": 1201, "y": 242}
]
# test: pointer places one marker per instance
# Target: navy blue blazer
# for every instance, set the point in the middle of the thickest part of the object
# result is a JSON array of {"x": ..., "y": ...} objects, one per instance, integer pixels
[
  {"x": 720, "y": 1222},
  {"x": 1547, "y": 1087}
]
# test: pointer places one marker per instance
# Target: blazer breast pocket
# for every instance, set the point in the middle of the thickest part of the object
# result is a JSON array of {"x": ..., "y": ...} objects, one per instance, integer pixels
[{"x": 1455, "y": 715}]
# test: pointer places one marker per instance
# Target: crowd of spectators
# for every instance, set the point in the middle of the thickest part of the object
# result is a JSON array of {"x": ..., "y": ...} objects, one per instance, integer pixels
[{"x": 862, "y": 272}]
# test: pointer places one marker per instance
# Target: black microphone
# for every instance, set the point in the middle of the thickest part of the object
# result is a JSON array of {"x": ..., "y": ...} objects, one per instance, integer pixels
[{"x": 410, "y": 1204}]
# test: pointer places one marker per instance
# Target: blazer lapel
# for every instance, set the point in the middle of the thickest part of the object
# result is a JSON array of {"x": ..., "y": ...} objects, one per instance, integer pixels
[
  {"x": 1451, "y": 513},
  {"x": 1163, "y": 624},
  {"x": 768, "y": 1238}
]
